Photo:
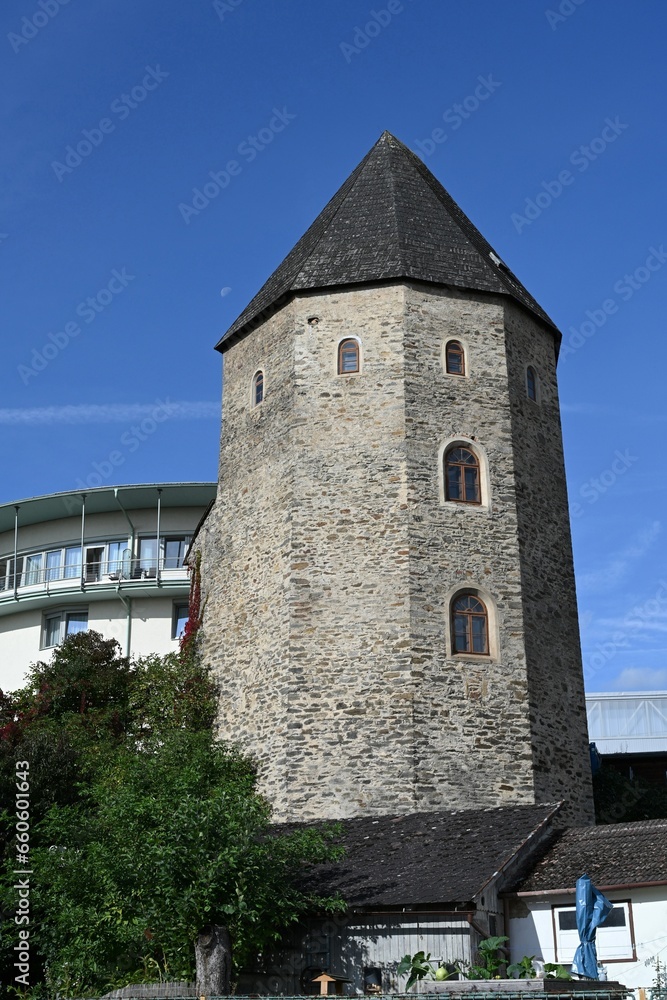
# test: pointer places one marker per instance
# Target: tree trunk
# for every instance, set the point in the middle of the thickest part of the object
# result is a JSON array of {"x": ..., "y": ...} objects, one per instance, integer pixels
[{"x": 213, "y": 956}]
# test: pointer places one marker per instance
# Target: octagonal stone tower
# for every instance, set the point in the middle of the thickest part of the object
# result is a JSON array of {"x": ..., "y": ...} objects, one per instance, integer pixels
[{"x": 392, "y": 631}]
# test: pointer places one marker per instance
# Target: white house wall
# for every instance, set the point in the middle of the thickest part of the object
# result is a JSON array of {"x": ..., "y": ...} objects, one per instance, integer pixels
[
  {"x": 20, "y": 633},
  {"x": 531, "y": 931}
]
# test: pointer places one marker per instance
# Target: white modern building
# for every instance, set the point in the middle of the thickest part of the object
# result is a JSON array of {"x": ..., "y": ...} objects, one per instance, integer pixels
[
  {"x": 633, "y": 722},
  {"x": 110, "y": 559}
]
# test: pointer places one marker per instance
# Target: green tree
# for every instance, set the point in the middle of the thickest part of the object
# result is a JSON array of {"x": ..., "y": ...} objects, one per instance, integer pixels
[{"x": 158, "y": 831}]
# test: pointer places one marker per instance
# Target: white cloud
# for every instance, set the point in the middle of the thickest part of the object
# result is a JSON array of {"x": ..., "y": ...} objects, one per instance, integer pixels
[
  {"x": 607, "y": 576},
  {"x": 641, "y": 679},
  {"x": 107, "y": 413}
]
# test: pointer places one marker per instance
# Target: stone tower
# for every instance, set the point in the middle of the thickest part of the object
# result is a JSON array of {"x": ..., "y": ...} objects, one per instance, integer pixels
[{"x": 390, "y": 600}]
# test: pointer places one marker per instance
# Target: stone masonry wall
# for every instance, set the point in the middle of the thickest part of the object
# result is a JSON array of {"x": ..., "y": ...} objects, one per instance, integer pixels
[
  {"x": 472, "y": 714},
  {"x": 246, "y": 549},
  {"x": 330, "y": 559},
  {"x": 559, "y": 730}
]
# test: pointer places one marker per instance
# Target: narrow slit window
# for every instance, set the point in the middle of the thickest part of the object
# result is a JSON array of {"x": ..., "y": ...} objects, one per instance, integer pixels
[
  {"x": 348, "y": 357},
  {"x": 470, "y": 625},
  {"x": 258, "y": 388},
  {"x": 462, "y": 476},
  {"x": 455, "y": 358},
  {"x": 531, "y": 383}
]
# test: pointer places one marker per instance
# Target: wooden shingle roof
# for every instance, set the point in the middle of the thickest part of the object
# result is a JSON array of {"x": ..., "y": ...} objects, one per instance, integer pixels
[
  {"x": 430, "y": 859},
  {"x": 390, "y": 220},
  {"x": 621, "y": 854}
]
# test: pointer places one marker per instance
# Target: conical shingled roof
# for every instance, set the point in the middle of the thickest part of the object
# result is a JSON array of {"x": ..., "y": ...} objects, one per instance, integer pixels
[{"x": 390, "y": 220}]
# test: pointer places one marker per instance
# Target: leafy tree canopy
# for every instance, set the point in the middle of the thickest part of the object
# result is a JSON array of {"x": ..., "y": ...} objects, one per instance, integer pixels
[{"x": 144, "y": 829}]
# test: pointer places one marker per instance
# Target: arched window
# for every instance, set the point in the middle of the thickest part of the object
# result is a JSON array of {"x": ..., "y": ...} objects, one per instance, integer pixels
[
  {"x": 455, "y": 358},
  {"x": 462, "y": 476},
  {"x": 348, "y": 357},
  {"x": 470, "y": 625},
  {"x": 257, "y": 388},
  {"x": 531, "y": 383}
]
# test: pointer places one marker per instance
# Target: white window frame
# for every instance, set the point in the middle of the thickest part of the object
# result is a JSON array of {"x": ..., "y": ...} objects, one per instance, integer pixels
[
  {"x": 174, "y": 619},
  {"x": 614, "y": 944},
  {"x": 64, "y": 614}
]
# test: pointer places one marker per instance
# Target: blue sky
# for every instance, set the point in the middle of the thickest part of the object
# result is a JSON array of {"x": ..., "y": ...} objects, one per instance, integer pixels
[{"x": 546, "y": 122}]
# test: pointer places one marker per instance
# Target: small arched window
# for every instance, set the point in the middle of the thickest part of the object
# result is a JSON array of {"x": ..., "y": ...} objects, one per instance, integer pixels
[
  {"x": 258, "y": 388},
  {"x": 348, "y": 357},
  {"x": 531, "y": 383},
  {"x": 462, "y": 476},
  {"x": 455, "y": 363},
  {"x": 470, "y": 625}
]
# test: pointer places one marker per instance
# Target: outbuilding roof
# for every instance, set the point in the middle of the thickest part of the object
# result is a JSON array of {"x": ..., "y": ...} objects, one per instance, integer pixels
[
  {"x": 390, "y": 220},
  {"x": 430, "y": 859},
  {"x": 620, "y": 854}
]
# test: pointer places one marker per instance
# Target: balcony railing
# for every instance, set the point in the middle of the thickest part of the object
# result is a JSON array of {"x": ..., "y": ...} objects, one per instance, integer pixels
[{"x": 117, "y": 571}]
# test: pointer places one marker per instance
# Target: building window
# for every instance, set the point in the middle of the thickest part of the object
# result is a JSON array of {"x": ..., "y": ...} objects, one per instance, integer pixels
[
  {"x": 531, "y": 383},
  {"x": 470, "y": 625},
  {"x": 179, "y": 620},
  {"x": 462, "y": 476},
  {"x": 72, "y": 562},
  {"x": 614, "y": 938},
  {"x": 7, "y": 575},
  {"x": 455, "y": 358},
  {"x": 174, "y": 551},
  {"x": 33, "y": 570},
  {"x": 58, "y": 625},
  {"x": 258, "y": 388},
  {"x": 348, "y": 357}
]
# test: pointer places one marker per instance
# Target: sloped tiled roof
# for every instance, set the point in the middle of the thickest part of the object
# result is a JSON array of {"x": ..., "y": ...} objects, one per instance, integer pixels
[
  {"x": 390, "y": 220},
  {"x": 618, "y": 854},
  {"x": 424, "y": 859}
]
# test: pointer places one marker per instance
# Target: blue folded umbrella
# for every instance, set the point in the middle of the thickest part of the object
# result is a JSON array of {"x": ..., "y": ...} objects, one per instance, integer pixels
[{"x": 592, "y": 910}]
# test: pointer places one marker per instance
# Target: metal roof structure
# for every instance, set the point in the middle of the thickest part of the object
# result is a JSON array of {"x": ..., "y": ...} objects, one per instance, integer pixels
[
  {"x": 102, "y": 499},
  {"x": 632, "y": 722}
]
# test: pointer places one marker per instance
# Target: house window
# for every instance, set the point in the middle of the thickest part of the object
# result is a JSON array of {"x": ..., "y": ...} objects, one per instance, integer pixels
[
  {"x": 172, "y": 554},
  {"x": 258, "y": 388},
  {"x": 531, "y": 383},
  {"x": 470, "y": 625},
  {"x": 348, "y": 357},
  {"x": 454, "y": 358},
  {"x": 72, "y": 562},
  {"x": 7, "y": 573},
  {"x": 33, "y": 570},
  {"x": 179, "y": 620},
  {"x": 54, "y": 565},
  {"x": 462, "y": 476},
  {"x": 174, "y": 551},
  {"x": 58, "y": 625},
  {"x": 614, "y": 938}
]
